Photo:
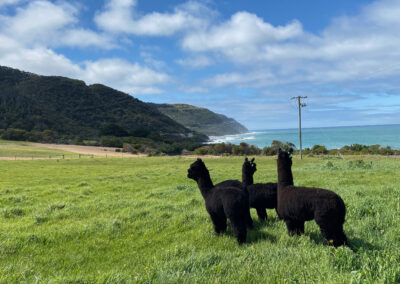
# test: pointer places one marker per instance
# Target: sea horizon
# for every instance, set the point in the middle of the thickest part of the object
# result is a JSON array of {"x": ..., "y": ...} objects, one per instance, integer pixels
[
  {"x": 332, "y": 137},
  {"x": 317, "y": 127}
]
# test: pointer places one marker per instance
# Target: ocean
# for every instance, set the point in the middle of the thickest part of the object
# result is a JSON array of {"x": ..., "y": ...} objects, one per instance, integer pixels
[{"x": 330, "y": 137}]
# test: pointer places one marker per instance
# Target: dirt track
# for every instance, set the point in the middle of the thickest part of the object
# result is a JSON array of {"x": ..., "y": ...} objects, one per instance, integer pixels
[{"x": 89, "y": 150}]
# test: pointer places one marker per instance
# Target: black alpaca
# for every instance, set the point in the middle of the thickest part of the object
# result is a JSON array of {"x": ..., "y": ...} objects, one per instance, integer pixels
[
  {"x": 299, "y": 204},
  {"x": 242, "y": 186},
  {"x": 261, "y": 195},
  {"x": 221, "y": 202}
]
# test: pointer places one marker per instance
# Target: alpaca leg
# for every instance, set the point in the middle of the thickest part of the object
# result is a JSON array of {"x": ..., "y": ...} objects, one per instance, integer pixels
[
  {"x": 291, "y": 226},
  {"x": 295, "y": 227},
  {"x": 239, "y": 229},
  {"x": 340, "y": 237},
  {"x": 300, "y": 227},
  {"x": 249, "y": 220},
  {"x": 262, "y": 213},
  {"x": 329, "y": 238},
  {"x": 219, "y": 222}
]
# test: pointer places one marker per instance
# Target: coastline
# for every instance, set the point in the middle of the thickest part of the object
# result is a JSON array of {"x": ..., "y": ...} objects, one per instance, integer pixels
[{"x": 331, "y": 137}]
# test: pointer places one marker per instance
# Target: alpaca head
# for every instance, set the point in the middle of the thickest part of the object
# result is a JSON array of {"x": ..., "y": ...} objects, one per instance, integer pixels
[
  {"x": 285, "y": 157},
  {"x": 197, "y": 169},
  {"x": 284, "y": 166},
  {"x": 249, "y": 167}
]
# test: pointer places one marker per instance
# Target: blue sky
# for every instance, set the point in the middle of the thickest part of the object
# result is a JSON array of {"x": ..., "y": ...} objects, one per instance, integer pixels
[{"x": 244, "y": 59}]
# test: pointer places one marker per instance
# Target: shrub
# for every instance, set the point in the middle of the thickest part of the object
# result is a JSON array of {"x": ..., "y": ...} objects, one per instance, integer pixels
[
  {"x": 128, "y": 148},
  {"x": 319, "y": 149},
  {"x": 201, "y": 151},
  {"x": 268, "y": 151},
  {"x": 222, "y": 148},
  {"x": 48, "y": 136},
  {"x": 109, "y": 141},
  {"x": 15, "y": 134}
]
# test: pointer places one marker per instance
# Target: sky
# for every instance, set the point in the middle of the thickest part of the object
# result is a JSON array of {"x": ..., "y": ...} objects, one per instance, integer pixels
[{"x": 244, "y": 59}]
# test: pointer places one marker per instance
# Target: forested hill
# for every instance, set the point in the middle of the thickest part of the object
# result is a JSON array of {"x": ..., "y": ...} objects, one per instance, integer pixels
[
  {"x": 70, "y": 109},
  {"x": 201, "y": 119}
]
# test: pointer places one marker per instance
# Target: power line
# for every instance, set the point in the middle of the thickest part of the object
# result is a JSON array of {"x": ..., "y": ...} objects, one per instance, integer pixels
[{"x": 300, "y": 105}]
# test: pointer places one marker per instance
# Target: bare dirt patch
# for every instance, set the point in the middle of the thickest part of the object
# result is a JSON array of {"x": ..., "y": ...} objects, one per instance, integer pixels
[{"x": 89, "y": 150}]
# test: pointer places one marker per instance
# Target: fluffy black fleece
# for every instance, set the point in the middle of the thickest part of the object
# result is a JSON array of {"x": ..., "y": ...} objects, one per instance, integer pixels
[
  {"x": 261, "y": 195},
  {"x": 299, "y": 204},
  {"x": 242, "y": 186},
  {"x": 222, "y": 202}
]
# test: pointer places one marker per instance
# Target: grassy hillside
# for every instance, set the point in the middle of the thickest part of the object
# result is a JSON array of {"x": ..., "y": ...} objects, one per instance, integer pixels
[
  {"x": 201, "y": 119},
  {"x": 142, "y": 220},
  {"x": 72, "y": 110}
]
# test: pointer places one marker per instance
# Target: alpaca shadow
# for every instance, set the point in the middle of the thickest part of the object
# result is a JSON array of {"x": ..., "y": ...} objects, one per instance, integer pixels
[
  {"x": 268, "y": 223},
  {"x": 254, "y": 235},
  {"x": 316, "y": 238},
  {"x": 355, "y": 244}
]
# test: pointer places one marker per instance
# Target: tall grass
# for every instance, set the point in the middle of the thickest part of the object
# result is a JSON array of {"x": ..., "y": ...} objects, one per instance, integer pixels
[{"x": 142, "y": 220}]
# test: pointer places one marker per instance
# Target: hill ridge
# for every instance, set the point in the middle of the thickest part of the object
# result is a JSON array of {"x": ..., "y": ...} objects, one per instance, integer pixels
[{"x": 201, "y": 119}]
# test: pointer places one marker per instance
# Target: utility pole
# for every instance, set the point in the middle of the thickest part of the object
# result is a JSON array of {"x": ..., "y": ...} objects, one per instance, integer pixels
[{"x": 300, "y": 106}]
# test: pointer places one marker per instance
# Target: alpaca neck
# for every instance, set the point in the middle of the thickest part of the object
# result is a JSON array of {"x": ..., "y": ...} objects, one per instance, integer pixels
[
  {"x": 285, "y": 177},
  {"x": 205, "y": 184},
  {"x": 247, "y": 179}
]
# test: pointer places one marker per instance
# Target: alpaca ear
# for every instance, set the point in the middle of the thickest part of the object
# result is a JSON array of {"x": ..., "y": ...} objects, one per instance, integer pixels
[
  {"x": 279, "y": 150},
  {"x": 252, "y": 160},
  {"x": 246, "y": 160},
  {"x": 199, "y": 160}
]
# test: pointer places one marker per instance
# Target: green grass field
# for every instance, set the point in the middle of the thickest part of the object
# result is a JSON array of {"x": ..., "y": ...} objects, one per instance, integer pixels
[
  {"x": 142, "y": 220},
  {"x": 26, "y": 149}
]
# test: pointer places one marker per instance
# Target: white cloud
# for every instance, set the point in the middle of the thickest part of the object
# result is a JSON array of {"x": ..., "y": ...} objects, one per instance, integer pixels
[
  {"x": 85, "y": 38},
  {"x": 39, "y": 22},
  {"x": 38, "y": 60},
  {"x": 242, "y": 30},
  {"x": 51, "y": 25},
  {"x": 120, "y": 16},
  {"x": 259, "y": 78},
  {"x": 241, "y": 38},
  {"x": 122, "y": 75},
  {"x": 151, "y": 61},
  {"x": 196, "y": 62}
]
